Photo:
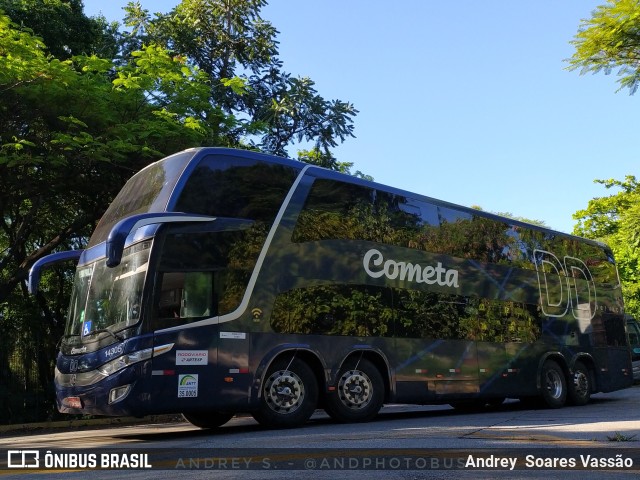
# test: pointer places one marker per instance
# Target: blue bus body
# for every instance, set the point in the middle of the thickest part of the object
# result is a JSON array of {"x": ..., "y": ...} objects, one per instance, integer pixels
[{"x": 223, "y": 281}]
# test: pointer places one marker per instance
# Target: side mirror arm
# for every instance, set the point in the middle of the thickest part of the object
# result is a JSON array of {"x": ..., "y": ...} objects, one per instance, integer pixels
[{"x": 36, "y": 269}]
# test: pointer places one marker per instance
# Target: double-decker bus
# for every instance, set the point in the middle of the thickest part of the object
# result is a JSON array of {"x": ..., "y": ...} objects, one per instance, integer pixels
[{"x": 223, "y": 281}]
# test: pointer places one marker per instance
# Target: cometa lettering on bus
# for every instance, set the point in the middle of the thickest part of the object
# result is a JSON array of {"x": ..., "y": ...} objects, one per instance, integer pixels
[{"x": 405, "y": 271}]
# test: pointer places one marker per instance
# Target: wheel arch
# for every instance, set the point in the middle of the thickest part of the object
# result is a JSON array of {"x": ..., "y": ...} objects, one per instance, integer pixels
[
  {"x": 557, "y": 357},
  {"x": 301, "y": 351},
  {"x": 588, "y": 361}
]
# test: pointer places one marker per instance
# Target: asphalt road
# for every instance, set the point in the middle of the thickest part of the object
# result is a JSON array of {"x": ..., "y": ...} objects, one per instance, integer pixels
[{"x": 403, "y": 442}]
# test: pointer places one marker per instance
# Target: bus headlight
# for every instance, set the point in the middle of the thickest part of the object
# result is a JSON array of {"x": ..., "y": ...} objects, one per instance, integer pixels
[
  {"x": 124, "y": 361},
  {"x": 84, "y": 379}
]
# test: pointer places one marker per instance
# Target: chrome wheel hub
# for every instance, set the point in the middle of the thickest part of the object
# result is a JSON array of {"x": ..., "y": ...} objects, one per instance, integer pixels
[
  {"x": 355, "y": 389},
  {"x": 284, "y": 391}
]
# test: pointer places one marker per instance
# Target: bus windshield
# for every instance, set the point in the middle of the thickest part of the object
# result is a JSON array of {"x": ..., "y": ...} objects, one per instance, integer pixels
[{"x": 108, "y": 298}]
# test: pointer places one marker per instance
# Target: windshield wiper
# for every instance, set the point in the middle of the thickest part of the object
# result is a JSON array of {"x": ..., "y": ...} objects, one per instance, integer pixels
[{"x": 101, "y": 330}]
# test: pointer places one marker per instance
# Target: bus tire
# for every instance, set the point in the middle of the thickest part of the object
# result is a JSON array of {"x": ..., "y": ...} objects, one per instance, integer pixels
[
  {"x": 359, "y": 393},
  {"x": 208, "y": 419},
  {"x": 553, "y": 385},
  {"x": 289, "y": 394},
  {"x": 580, "y": 385}
]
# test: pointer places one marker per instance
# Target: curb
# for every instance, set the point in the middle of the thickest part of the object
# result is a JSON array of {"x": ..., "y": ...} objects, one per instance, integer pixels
[{"x": 92, "y": 422}]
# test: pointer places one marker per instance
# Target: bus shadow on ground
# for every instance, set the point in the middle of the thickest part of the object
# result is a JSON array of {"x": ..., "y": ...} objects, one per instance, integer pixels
[{"x": 244, "y": 424}]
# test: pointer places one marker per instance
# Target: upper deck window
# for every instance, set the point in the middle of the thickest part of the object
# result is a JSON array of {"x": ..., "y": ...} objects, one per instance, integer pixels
[
  {"x": 344, "y": 211},
  {"x": 237, "y": 187}
]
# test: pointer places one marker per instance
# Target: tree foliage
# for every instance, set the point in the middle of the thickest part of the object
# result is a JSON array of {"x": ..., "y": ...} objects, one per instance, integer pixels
[
  {"x": 615, "y": 220},
  {"x": 84, "y": 105},
  {"x": 72, "y": 131},
  {"x": 106, "y": 118},
  {"x": 610, "y": 41},
  {"x": 228, "y": 39},
  {"x": 63, "y": 27}
]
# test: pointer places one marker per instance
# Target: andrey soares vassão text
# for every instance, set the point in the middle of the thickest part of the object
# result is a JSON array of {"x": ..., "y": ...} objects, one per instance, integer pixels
[{"x": 533, "y": 461}]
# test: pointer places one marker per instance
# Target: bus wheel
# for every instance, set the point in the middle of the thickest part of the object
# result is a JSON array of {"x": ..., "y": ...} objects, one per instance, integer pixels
[
  {"x": 580, "y": 385},
  {"x": 554, "y": 385},
  {"x": 289, "y": 394},
  {"x": 208, "y": 419},
  {"x": 359, "y": 394}
]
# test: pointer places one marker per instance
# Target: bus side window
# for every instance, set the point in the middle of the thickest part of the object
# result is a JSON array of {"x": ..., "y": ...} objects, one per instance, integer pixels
[
  {"x": 171, "y": 295},
  {"x": 186, "y": 295},
  {"x": 197, "y": 295}
]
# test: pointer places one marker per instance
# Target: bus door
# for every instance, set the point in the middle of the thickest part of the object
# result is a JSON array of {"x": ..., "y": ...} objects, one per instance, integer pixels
[
  {"x": 207, "y": 366},
  {"x": 185, "y": 354}
]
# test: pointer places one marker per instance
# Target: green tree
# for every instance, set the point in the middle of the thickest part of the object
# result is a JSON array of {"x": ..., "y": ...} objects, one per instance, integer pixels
[
  {"x": 609, "y": 41},
  {"x": 71, "y": 132},
  {"x": 83, "y": 107},
  {"x": 69, "y": 116},
  {"x": 63, "y": 27},
  {"x": 615, "y": 220},
  {"x": 228, "y": 39}
]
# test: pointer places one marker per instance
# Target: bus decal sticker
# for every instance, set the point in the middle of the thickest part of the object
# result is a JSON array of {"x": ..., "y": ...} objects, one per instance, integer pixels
[
  {"x": 188, "y": 385},
  {"x": 408, "y": 271},
  {"x": 559, "y": 290},
  {"x": 86, "y": 328},
  {"x": 233, "y": 335},
  {"x": 192, "y": 357},
  {"x": 117, "y": 350}
]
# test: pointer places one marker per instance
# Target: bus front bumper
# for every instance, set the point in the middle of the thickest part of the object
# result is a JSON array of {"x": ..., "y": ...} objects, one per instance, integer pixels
[{"x": 120, "y": 394}]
